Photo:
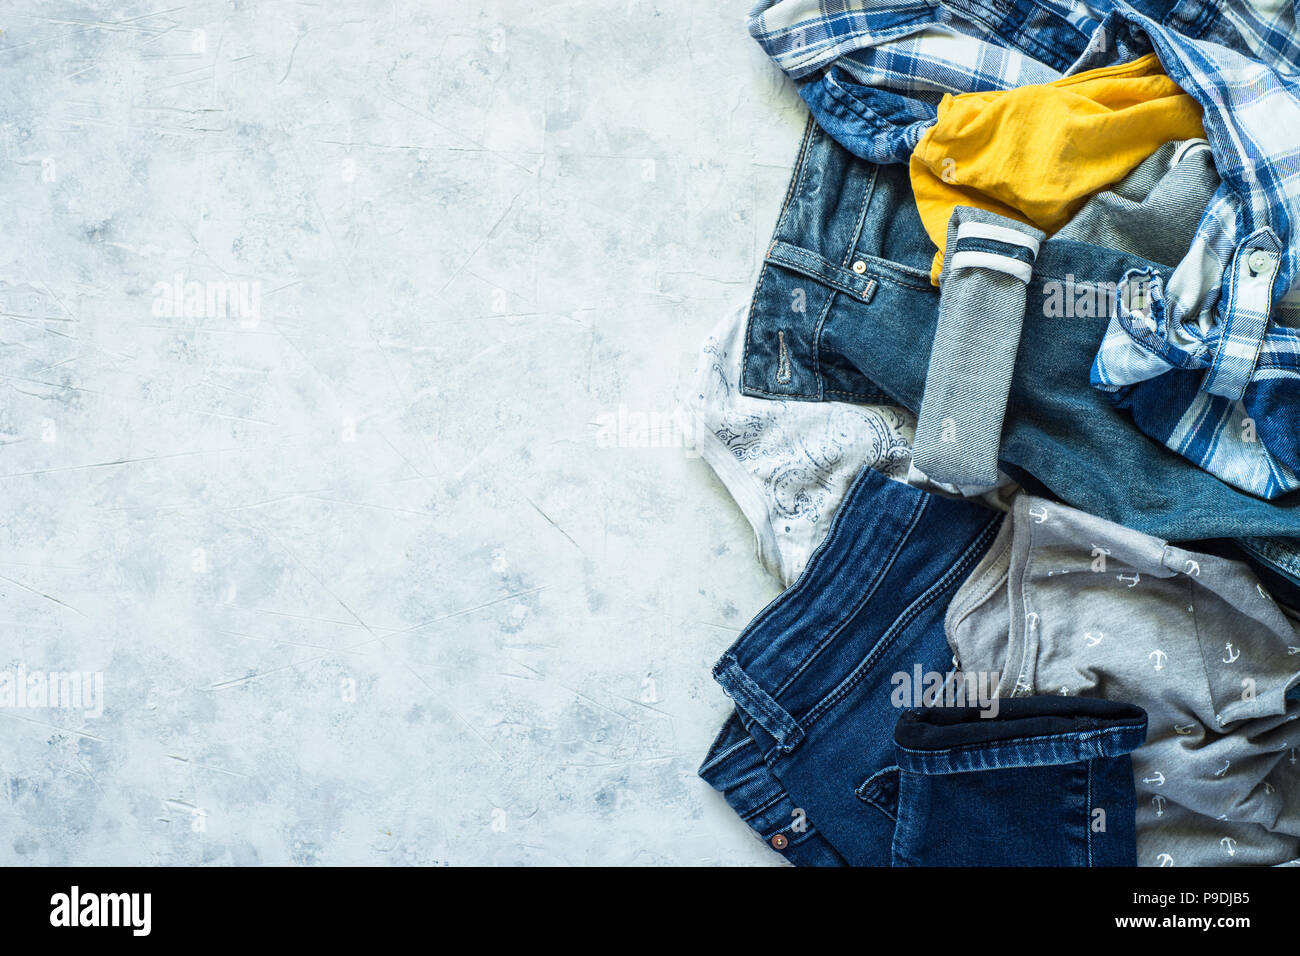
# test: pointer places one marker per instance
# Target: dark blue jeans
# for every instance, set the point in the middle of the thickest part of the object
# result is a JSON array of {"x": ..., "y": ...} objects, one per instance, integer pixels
[
  {"x": 844, "y": 310},
  {"x": 1048, "y": 782},
  {"x": 807, "y": 758}
]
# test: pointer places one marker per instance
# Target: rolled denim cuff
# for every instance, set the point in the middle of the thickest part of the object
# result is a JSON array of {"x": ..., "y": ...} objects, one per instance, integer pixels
[
  {"x": 1027, "y": 732},
  {"x": 988, "y": 262}
]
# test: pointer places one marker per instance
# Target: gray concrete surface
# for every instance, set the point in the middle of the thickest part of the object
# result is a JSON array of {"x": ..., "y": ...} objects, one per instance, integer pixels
[{"x": 339, "y": 345}]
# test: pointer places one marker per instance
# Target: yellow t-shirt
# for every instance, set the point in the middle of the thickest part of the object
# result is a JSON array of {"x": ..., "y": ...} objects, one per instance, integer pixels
[{"x": 1037, "y": 153}]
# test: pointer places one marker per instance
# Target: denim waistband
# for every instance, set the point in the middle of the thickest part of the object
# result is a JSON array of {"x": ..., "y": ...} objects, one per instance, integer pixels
[
  {"x": 1029, "y": 732},
  {"x": 735, "y": 768}
]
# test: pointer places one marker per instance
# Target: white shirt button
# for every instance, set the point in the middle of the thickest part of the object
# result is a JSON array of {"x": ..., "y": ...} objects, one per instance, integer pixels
[{"x": 1259, "y": 261}]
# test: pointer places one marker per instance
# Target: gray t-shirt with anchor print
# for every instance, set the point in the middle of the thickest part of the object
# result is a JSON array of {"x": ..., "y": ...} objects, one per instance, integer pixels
[{"x": 1066, "y": 603}]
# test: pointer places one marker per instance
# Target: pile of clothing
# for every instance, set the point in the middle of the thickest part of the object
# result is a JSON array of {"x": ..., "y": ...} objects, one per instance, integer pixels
[{"x": 1014, "y": 411}]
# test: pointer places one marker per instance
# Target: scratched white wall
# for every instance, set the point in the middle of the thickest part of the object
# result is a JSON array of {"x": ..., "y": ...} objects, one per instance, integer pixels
[{"x": 363, "y": 578}]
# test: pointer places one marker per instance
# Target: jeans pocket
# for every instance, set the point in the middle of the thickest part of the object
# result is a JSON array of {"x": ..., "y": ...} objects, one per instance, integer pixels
[{"x": 880, "y": 790}]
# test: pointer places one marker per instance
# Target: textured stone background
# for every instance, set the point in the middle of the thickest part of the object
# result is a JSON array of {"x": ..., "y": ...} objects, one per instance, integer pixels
[{"x": 368, "y": 574}]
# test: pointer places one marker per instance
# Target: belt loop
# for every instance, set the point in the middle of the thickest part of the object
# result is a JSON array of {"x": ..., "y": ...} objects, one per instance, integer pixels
[
  {"x": 757, "y": 703},
  {"x": 1244, "y": 315},
  {"x": 986, "y": 271}
]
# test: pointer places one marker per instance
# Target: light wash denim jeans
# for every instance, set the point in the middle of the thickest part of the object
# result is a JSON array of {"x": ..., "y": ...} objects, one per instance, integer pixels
[{"x": 844, "y": 309}]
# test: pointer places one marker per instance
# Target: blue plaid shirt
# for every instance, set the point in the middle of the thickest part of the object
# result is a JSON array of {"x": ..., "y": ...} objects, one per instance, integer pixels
[{"x": 1209, "y": 362}]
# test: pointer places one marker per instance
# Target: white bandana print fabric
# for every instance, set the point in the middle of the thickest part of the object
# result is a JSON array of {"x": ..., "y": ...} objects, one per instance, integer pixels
[{"x": 787, "y": 464}]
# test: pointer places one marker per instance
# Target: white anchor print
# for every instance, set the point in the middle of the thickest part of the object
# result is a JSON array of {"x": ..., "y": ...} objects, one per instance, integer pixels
[
  {"x": 1192, "y": 568},
  {"x": 1038, "y": 514},
  {"x": 1231, "y": 656},
  {"x": 1132, "y": 579},
  {"x": 1165, "y": 859},
  {"x": 1226, "y": 765},
  {"x": 1159, "y": 803},
  {"x": 1032, "y": 620},
  {"x": 1158, "y": 779},
  {"x": 1230, "y": 844},
  {"x": 1160, "y": 657},
  {"x": 1094, "y": 639},
  {"x": 1268, "y": 787},
  {"x": 1294, "y": 752}
]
